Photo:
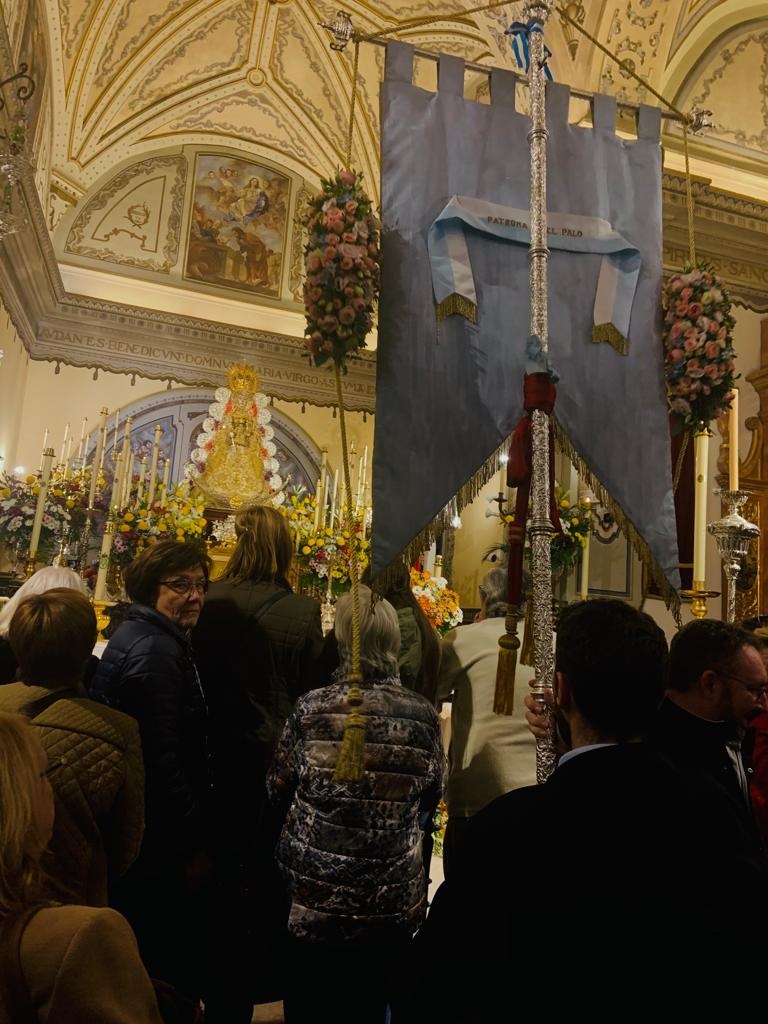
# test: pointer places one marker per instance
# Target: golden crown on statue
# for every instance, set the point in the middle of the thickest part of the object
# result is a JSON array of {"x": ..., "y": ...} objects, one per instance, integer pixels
[{"x": 242, "y": 378}]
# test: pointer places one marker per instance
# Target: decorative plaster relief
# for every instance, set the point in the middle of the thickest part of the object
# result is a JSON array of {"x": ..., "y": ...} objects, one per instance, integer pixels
[
  {"x": 133, "y": 28},
  {"x": 211, "y": 47},
  {"x": 298, "y": 67},
  {"x": 255, "y": 117},
  {"x": 733, "y": 83},
  {"x": 135, "y": 219}
]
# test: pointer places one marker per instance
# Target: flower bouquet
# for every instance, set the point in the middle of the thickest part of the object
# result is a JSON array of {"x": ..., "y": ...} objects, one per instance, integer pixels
[
  {"x": 699, "y": 353},
  {"x": 568, "y": 546},
  {"x": 342, "y": 268},
  {"x": 324, "y": 553},
  {"x": 438, "y": 602},
  {"x": 177, "y": 516},
  {"x": 18, "y": 502}
]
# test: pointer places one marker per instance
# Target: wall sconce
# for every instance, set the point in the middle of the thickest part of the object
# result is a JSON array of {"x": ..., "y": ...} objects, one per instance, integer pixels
[{"x": 13, "y": 160}]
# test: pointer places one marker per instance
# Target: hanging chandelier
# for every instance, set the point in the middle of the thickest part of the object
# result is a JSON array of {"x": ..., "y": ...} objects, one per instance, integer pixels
[{"x": 13, "y": 160}]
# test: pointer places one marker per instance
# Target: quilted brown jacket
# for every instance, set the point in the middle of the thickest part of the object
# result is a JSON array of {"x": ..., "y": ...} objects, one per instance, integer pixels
[{"x": 97, "y": 775}]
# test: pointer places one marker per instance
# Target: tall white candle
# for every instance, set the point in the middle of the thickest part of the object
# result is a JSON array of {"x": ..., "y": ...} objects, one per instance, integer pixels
[
  {"x": 81, "y": 445},
  {"x": 106, "y": 547},
  {"x": 142, "y": 474},
  {"x": 166, "y": 481},
  {"x": 63, "y": 449},
  {"x": 67, "y": 458},
  {"x": 584, "y": 591},
  {"x": 114, "y": 501},
  {"x": 153, "y": 465},
  {"x": 37, "y": 522},
  {"x": 700, "y": 470},
  {"x": 733, "y": 442},
  {"x": 98, "y": 456},
  {"x": 318, "y": 489},
  {"x": 361, "y": 479},
  {"x": 333, "y": 497}
]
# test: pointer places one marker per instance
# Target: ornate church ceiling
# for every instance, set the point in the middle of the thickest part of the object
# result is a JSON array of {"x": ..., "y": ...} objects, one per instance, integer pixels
[{"x": 147, "y": 109}]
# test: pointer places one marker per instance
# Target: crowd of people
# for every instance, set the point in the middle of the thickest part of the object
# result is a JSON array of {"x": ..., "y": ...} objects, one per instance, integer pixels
[{"x": 175, "y": 844}]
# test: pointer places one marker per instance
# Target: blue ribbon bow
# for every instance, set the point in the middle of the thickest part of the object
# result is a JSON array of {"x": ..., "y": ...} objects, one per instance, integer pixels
[{"x": 521, "y": 34}]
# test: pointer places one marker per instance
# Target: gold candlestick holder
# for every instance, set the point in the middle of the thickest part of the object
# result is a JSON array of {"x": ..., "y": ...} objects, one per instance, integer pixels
[{"x": 698, "y": 596}]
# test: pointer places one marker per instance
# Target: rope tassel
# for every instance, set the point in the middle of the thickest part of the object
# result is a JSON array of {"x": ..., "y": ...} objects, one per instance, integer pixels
[
  {"x": 504, "y": 695},
  {"x": 350, "y": 766}
]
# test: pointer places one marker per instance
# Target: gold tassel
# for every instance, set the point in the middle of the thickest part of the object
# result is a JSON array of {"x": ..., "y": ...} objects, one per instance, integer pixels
[
  {"x": 457, "y": 304},
  {"x": 504, "y": 695},
  {"x": 350, "y": 766},
  {"x": 612, "y": 336},
  {"x": 526, "y": 654}
]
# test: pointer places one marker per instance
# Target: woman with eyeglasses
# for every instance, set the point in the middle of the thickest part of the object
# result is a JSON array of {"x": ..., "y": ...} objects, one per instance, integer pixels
[
  {"x": 58, "y": 963},
  {"x": 148, "y": 670},
  {"x": 94, "y": 752}
]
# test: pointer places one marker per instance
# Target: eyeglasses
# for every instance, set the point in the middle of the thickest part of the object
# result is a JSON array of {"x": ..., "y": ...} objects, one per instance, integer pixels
[
  {"x": 185, "y": 586},
  {"x": 53, "y": 766},
  {"x": 756, "y": 691}
]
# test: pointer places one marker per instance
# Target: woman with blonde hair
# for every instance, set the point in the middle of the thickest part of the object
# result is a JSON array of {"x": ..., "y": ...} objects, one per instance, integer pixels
[
  {"x": 258, "y": 646},
  {"x": 57, "y": 963},
  {"x": 52, "y": 576}
]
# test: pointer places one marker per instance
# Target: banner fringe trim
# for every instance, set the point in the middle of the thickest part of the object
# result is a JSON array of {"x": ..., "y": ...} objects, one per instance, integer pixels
[
  {"x": 669, "y": 594},
  {"x": 426, "y": 536}
]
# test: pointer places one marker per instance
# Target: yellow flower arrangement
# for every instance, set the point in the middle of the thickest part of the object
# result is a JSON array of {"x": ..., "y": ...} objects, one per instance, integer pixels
[
  {"x": 438, "y": 602},
  {"x": 179, "y": 517},
  {"x": 324, "y": 553}
]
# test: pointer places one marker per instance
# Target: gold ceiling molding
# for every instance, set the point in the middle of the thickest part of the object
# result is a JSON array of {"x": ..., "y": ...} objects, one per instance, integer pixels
[{"x": 731, "y": 234}]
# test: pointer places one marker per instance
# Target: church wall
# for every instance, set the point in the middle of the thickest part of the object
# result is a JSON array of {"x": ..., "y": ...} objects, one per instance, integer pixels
[{"x": 13, "y": 375}]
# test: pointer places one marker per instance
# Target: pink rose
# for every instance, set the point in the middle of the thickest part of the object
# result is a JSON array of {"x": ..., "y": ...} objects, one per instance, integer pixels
[
  {"x": 691, "y": 344},
  {"x": 347, "y": 177},
  {"x": 347, "y": 315},
  {"x": 329, "y": 323},
  {"x": 347, "y": 263},
  {"x": 676, "y": 355},
  {"x": 313, "y": 264},
  {"x": 351, "y": 206},
  {"x": 695, "y": 309},
  {"x": 711, "y": 350},
  {"x": 686, "y": 293},
  {"x": 332, "y": 239},
  {"x": 681, "y": 308}
]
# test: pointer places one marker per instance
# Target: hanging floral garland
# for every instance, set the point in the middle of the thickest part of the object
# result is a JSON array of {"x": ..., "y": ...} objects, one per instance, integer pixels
[
  {"x": 698, "y": 342},
  {"x": 342, "y": 264},
  {"x": 217, "y": 410}
]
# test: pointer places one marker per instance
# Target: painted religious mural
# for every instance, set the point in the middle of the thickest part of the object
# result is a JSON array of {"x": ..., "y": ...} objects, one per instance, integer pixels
[{"x": 238, "y": 225}]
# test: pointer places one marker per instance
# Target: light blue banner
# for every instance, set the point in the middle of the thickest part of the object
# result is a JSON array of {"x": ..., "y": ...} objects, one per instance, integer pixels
[{"x": 452, "y": 271}]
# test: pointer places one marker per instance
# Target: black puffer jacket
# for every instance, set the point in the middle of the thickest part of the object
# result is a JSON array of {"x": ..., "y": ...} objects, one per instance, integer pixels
[
  {"x": 291, "y": 625},
  {"x": 147, "y": 670}
]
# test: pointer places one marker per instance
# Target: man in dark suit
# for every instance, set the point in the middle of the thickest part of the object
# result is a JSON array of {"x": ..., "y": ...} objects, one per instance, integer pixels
[{"x": 618, "y": 861}]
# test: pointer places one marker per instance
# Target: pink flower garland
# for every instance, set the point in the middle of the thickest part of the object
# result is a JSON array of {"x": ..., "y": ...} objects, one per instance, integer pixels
[
  {"x": 699, "y": 353},
  {"x": 342, "y": 269}
]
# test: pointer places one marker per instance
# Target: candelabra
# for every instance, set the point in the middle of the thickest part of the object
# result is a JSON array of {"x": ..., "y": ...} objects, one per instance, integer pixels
[{"x": 733, "y": 534}]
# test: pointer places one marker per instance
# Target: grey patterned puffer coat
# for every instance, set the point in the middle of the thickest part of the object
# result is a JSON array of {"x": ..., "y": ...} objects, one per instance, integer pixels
[{"x": 351, "y": 852}]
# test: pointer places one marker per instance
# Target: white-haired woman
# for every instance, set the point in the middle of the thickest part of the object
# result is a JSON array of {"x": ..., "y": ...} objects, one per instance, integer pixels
[
  {"x": 57, "y": 963},
  {"x": 52, "y": 577},
  {"x": 351, "y": 851}
]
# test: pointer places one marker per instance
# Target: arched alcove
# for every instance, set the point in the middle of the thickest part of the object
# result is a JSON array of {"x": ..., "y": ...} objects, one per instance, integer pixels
[{"x": 180, "y": 413}]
